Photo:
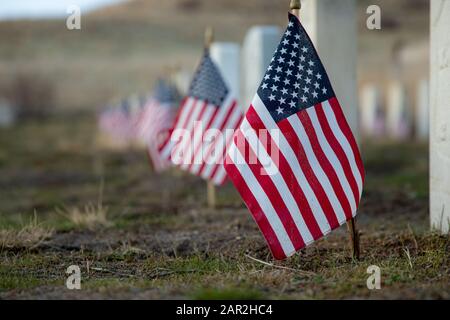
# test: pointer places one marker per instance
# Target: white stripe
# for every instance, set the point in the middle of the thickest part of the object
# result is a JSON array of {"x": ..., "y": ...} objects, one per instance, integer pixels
[
  {"x": 223, "y": 111},
  {"x": 263, "y": 201},
  {"x": 165, "y": 153},
  {"x": 198, "y": 132},
  {"x": 282, "y": 187},
  {"x": 289, "y": 154},
  {"x": 345, "y": 144},
  {"x": 331, "y": 156},
  {"x": 186, "y": 143},
  {"x": 214, "y": 160},
  {"x": 220, "y": 175},
  {"x": 317, "y": 168}
]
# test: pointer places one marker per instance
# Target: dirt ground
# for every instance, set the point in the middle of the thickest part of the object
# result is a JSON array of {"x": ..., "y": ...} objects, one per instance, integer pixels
[{"x": 152, "y": 236}]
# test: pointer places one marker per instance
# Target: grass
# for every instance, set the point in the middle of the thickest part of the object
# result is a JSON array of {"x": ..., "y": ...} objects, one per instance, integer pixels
[{"x": 156, "y": 239}]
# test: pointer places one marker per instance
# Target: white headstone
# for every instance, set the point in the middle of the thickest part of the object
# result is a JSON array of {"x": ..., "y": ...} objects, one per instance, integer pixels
[
  {"x": 332, "y": 27},
  {"x": 7, "y": 114},
  {"x": 227, "y": 57},
  {"x": 370, "y": 111},
  {"x": 440, "y": 116},
  {"x": 423, "y": 110},
  {"x": 259, "y": 46},
  {"x": 398, "y": 116}
]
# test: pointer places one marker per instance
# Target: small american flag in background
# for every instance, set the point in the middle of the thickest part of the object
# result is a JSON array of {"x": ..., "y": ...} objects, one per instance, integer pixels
[
  {"x": 156, "y": 121},
  {"x": 115, "y": 121},
  {"x": 319, "y": 175},
  {"x": 209, "y": 105}
]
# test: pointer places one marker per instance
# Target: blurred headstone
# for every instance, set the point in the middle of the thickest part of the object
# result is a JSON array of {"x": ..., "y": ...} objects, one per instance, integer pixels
[
  {"x": 227, "y": 55},
  {"x": 7, "y": 114},
  {"x": 398, "y": 118},
  {"x": 332, "y": 26},
  {"x": 371, "y": 113},
  {"x": 259, "y": 46},
  {"x": 423, "y": 110},
  {"x": 440, "y": 116}
]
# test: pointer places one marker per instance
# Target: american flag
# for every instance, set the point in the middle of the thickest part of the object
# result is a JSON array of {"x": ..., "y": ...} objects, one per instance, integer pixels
[
  {"x": 294, "y": 159},
  {"x": 115, "y": 122},
  {"x": 208, "y": 111},
  {"x": 156, "y": 121}
]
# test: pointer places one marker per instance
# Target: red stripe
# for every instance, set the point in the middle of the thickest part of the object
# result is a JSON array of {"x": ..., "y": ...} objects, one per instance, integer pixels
[
  {"x": 211, "y": 146},
  {"x": 227, "y": 144},
  {"x": 345, "y": 128},
  {"x": 175, "y": 123},
  {"x": 287, "y": 174},
  {"x": 190, "y": 119},
  {"x": 325, "y": 163},
  {"x": 255, "y": 209},
  {"x": 200, "y": 145},
  {"x": 272, "y": 193},
  {"x": 294, "y": 142},
  {"x": 337, "y": 148}
]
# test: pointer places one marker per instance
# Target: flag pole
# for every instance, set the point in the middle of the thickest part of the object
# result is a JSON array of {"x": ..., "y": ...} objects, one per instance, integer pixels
[
  {"x": 210, "y": 187},
  {"x": 295, "y": 7}
]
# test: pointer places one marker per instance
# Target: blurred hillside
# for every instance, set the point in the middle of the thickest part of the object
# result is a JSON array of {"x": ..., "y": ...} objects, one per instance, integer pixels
[{"x": 123, "y": 48}]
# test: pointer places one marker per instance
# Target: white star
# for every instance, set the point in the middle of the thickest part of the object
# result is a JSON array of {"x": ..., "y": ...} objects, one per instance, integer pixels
[
  {"x": 311, "y": 63},
  {"x": 279, "y": 69},
  {"x": 271, "y": 97},
  {"x": 315, "y": 94},
  {"x": 280, "y": 60},
  {"x": 293, "y": 54},
  {"x": 267, "y": 77},
  {"x": 284, "y": 91},
  {"x": 309, "y": 72},
  {"x": 292, "y": 104},
  {"x": 270, "y": 67},
  {"x": 283, "y": 50},
  {"x": 298, "y": 76},
  {"x": 308, "y": 80},
  {"x": 296, "y": 85},
  {"x": 297, "y": 37},
  {"x": 305, "y": 89},
  {"x": 285, "y": 42},
  {"x": 264, "y": 86},
  {"x": 302, "y": 58},
  {"x": 305, "y": 49},
  {"x": 274, "y": 88},
  {"x": 291, "y": 63},
  {"x": 282, "y": 100},
  {"x": 295, "y": 45},
  {"x": 304, "y": 99},
  {"x": 287, "y": 81},
  {"x": 301, "y": 67},
  {"x": 280, "y": 110},
  {"x": 289, "y": 72},
  {"x": 288, "y": 33},
  {"x": 324, "y": 90},
  {"x": 319, "y": 76},
  {"x": 316, "y": 85},
  {"x": 294, "y": 94},
  {"x": 276, "y": 78},
  {"x": 291, "y": 24}
]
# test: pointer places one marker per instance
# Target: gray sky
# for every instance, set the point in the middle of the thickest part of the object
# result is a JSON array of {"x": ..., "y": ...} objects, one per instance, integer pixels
[{"x": 38, "y": 9}]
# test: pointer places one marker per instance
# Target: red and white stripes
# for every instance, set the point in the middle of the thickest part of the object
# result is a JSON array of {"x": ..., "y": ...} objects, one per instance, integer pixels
[
  {"x": 199, "y": 138},
  {"x": 317, "y": 182}
]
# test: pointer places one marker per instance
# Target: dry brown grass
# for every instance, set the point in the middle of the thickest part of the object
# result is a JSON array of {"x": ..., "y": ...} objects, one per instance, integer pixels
[
  {"x": 29, "y": 236},
  {"x": 91, "y": 216}
]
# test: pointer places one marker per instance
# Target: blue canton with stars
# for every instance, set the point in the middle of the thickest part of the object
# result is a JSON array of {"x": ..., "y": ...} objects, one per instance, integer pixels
[
  {"x": 208, "y": 84},
  {"x": 295, "y": 79},
  {"x": 166, "y": 93}
]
